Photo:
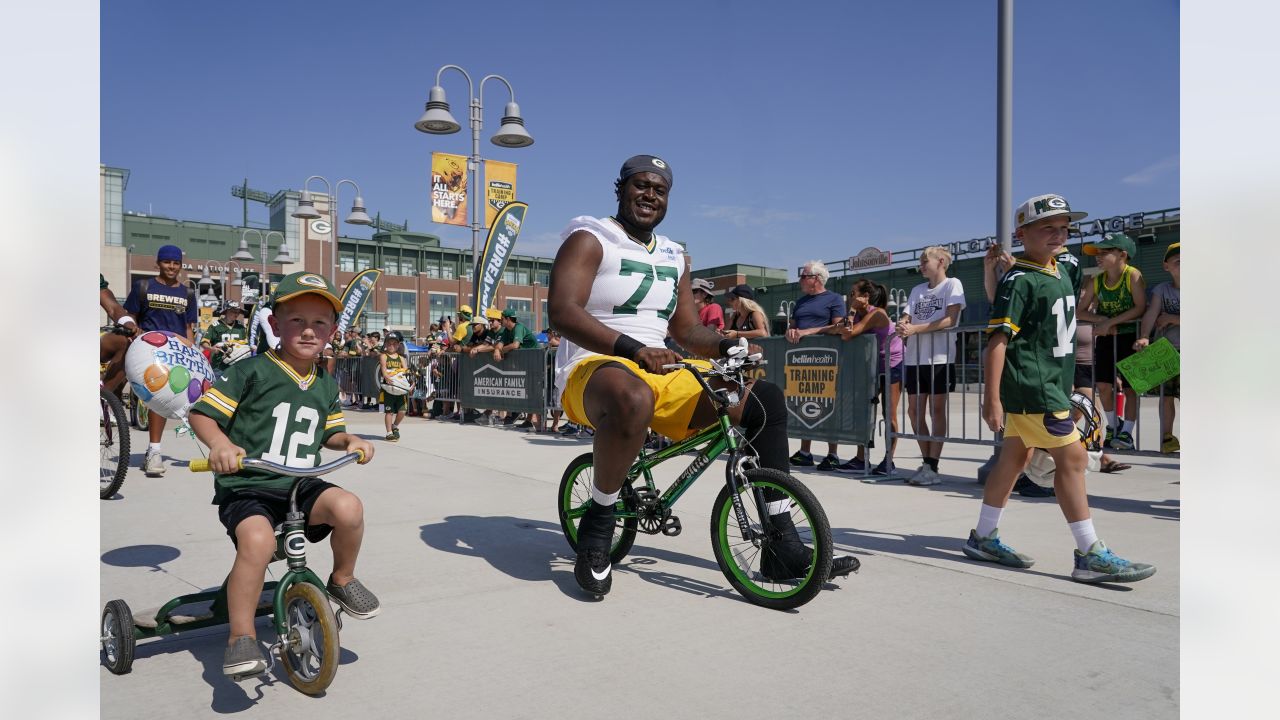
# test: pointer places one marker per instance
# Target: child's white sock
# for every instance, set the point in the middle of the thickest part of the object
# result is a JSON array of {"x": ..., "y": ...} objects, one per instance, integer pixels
[
  {"x": 1128, "y": 427},
  {"x": 1084, "y": 534},
  {"x": 1111, "y": 418},
  {"x": 153, "y": 447},
  {"x": 988, "y": 520}
]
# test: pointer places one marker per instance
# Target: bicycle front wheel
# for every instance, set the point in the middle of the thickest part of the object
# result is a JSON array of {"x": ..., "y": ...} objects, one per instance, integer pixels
[
  {"x": 785, "y": 567},
  {"x": 113, "y": 442},
  {"x": 575, "y": 493}
]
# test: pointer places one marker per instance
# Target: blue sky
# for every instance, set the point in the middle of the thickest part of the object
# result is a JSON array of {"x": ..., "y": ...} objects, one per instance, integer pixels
[{"x": 795, "y": 131}]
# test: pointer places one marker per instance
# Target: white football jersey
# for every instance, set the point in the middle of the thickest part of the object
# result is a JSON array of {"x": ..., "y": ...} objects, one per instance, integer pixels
[{"x": 634, "y": 291}]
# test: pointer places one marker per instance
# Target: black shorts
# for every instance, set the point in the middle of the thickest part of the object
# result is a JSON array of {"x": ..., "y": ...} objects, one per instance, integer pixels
[
  {"x": 273, "y": 504},
  {"x": 1172, "y": 387},
  {"x": 1109, "y": 350},
  {"x": 895, "y": 378},
  {"x": 930, "y": 379},
  {"x": 391, "y": 403},
  {"x": 1084, "y": 376}
]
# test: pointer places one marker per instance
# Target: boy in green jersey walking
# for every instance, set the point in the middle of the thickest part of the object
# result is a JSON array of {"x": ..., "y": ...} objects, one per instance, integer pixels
[
  {"x": 1030, "y": 366},
  {"x": 392, "y": 363},
  {"x": 280, "y": 406}
]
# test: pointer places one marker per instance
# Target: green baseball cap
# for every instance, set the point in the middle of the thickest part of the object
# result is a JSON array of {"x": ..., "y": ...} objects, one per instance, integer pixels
[
  {"x": 509, "y": 314},
  {"x": 1118, "y": 241},
  {"x": 303, "y": 283}
]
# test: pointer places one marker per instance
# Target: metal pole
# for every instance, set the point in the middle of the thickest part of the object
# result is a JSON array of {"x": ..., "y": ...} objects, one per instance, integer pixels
[
  {"x": 1004, "y": 126},
  {"x": 1004, "y": 157},
  {"x": 474, "y": 191}
]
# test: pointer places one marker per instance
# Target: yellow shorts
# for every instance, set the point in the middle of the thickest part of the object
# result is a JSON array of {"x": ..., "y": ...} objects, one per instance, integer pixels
[
  {"x": 1042, "y": 430},
  {"x": 676, "y": 395}
]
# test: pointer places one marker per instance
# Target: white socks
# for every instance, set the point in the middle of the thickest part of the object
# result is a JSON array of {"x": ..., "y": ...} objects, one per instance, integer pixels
[
  {"x": 1128, "y": 427},
  {"x": 1084, "y": 534},
  {"x": 1111, "y": 419},
  {"x": 153, "y": 447},
  {"x": 988, "y": 520},
  {"x": 601, "y": 498}
]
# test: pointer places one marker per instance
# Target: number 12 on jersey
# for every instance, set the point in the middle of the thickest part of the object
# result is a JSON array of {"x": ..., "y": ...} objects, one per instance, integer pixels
[
  {"x": 1063, "y": 308},
  {"x": 648, "y": 273}
]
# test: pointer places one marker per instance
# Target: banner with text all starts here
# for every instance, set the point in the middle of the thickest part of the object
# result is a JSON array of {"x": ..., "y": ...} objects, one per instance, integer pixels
[{"x": 449, "y": 189}]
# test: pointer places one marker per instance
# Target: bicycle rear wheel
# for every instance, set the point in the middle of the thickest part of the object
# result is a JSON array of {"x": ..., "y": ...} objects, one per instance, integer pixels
[
  {"x": 113, "y": 439},
  {"x": 575, "y": 493},
  {"x": 779, "y": 570}
]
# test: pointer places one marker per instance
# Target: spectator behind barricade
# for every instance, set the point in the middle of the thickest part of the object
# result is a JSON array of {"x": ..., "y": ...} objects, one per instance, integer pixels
[
  {"x": 553, "y": 338},
  {"x": 867, "y": 312},
  {"x": 927, "y": 326},
  {"x": 748, "y": 317},
  {"x": 818, "y": 311},
  {"x": 514, "y": 336},
  {"x": 1114, "y": 302},
  {"x": 462, "y": 332},
  {"x": 1163, "y": 317},
  {"x": 445, "y": 333},
  {"x": 710, "y": 313}
]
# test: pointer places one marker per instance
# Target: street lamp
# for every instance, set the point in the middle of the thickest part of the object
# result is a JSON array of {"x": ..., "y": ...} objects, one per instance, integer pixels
[
  {"x": 437, "y": 120},
  {"x": 236, "y": 280},
  {"x": 307, "y": 211},
  {"x": 242, "y": 254}
]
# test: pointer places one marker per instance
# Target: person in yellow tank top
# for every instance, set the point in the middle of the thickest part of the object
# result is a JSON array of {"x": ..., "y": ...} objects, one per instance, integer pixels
[{"x": 1114, "y": 301}]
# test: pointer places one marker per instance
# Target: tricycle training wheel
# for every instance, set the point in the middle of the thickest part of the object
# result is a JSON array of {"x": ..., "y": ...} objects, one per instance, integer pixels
[
  {"x": 117, "y": 637},
  {"x": 309, "y": 651}
]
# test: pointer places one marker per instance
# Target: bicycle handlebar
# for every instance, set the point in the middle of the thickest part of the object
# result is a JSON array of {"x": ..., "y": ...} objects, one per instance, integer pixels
[{"x": 202, "y": 465}]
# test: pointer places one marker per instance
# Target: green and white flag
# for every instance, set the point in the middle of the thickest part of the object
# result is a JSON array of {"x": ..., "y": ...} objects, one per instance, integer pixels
[{"x": 497, "y": 251}]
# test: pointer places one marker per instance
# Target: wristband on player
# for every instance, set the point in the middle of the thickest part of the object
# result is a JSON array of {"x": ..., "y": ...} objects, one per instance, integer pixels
[
  {"x": 627, "y": 346},
  {"x": 125, "y": 319}
]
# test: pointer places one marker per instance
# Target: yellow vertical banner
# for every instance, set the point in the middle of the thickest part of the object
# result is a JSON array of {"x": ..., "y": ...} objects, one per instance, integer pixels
[
  {"x": 449, "y": 189},
  {"x": 499, "y": 188}
]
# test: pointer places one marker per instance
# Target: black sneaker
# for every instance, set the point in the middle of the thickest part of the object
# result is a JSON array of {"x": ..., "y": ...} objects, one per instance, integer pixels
[
  {"x": 787, "y": 564},
  {"x": 509, "y": 420},
  {"x": 829, "y": 463},
  {"x": 1026, "y": 487},
  {"x": 243, "y": 658},
  {"x": 885, "y": 468},
  {"x": 524, "y": 424},
  {"x": 570, "y": 429},
  {"x": 593, "y": 571},
  {"x": 802, "y": 459}
]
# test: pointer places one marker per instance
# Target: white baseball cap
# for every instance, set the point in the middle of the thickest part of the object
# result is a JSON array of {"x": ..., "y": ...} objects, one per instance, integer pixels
[{"x": 1043, "y": 206}]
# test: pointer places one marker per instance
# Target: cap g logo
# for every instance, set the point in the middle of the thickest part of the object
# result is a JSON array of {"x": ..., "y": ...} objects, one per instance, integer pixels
[
  {"x": 314, "y": 281},
  {"x": 658, "y": 162}
]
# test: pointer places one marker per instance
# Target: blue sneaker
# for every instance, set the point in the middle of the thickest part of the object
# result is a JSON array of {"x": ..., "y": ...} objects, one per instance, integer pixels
[
  {"x": 885, "y": 468},
  {"x": 1102, "y": 565},
  {"x": 991, "y": 549}
]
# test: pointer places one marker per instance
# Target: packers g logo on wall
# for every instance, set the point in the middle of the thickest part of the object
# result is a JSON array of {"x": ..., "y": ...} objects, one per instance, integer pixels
[
  {"x": 810, "y": 389},
  {"x": 314, "y": 281}
]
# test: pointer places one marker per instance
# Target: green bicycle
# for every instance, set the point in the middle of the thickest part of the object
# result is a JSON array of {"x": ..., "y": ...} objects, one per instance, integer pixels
[{"x": 745, "y": 536}]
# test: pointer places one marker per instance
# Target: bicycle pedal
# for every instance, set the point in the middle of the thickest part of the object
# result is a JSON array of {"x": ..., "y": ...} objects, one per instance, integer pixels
[{"x": 671, "y": 527}]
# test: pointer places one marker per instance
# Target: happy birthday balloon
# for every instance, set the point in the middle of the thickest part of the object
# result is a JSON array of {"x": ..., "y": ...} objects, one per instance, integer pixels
[{"x": 166, "y": 372}]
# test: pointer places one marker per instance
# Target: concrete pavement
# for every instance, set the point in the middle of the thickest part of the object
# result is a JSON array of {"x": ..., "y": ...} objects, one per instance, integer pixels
[{"x": 482, "y": 618}]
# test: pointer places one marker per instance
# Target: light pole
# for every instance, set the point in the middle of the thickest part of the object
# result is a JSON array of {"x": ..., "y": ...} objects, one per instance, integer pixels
[
  {"x": 437, "y": 120},
  {"x": 307, "y": 211},
  {"x": 243, "y": 255},
  {"x": 235, "y": 282}
]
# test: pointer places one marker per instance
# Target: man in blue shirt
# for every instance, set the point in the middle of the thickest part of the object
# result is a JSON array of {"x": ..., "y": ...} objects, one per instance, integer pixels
[
  {"x": 818, "y": 311},
  {"x": 162, "y": 303}
]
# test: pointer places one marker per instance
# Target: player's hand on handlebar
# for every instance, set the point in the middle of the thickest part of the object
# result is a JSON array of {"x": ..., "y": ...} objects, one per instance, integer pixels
[
  {"x": 651, "y": 359},
  {"x": 355, "y": 443},
  {"x": 225, "y": 457}
]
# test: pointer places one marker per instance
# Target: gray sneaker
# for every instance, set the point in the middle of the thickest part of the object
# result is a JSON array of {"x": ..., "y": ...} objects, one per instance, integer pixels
[
  {"x": 243, "y": 658},
  {"x": 991, "y": 549},
  {"x": 152, "y": 465},
  {"x": 355, "y": 598},
  {"x": 924, "y": 476},
  {"x": 1102, "y": 565}
]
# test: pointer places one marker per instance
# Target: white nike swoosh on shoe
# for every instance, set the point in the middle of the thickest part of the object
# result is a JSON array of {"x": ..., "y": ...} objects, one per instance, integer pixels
[{"x": 601, "y": 576}]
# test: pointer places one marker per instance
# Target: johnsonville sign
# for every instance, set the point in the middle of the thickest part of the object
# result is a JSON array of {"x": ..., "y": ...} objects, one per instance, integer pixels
[{"x": 869, "y": 258}]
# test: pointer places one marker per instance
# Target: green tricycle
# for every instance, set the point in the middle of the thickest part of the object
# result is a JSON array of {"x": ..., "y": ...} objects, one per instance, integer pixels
[{"x": 304, "y": 620}]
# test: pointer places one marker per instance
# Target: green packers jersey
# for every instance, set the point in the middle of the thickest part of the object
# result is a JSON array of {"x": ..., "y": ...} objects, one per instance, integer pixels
[
  {"x": 221, "y": 333},
  {"x": 1036, "y": 308},
  {"x": 394, "y": 362},
  {"x": 1113, "y": 300},
  {"x": 267, "y": 408},
  {"x": 518, "y": 334},
  {"x": 1069, "y": 265}
]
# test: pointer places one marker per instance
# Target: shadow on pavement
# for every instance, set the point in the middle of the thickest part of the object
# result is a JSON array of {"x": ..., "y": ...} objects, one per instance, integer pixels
[
  {"x": 152, "y": 556},
  {"x": 536, "y": 550},
  {"x": 937, "y": 547}
]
